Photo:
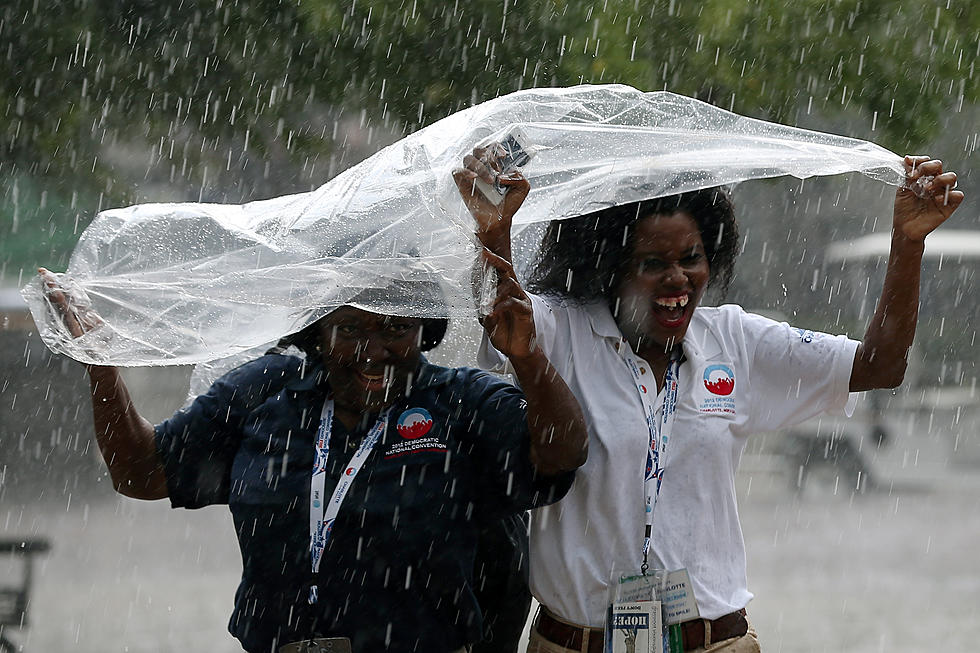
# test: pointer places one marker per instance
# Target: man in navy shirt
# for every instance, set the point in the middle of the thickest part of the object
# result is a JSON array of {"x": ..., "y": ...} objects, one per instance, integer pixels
[
  {"x": 398, "y": 570},
  {"x": 412, "y": 458}
]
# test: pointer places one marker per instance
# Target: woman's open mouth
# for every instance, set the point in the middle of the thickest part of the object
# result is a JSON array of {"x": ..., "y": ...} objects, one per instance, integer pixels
[
  {"x": 374, "y": 382},
  {"x": 671, "y": 311}
]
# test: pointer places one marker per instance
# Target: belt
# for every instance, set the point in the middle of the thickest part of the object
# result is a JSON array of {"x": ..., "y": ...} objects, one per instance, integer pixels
[
  {"x": 703, "y": 632},
  {"x": 695, "y": 633},
  {"x": 566, "y": 634}
]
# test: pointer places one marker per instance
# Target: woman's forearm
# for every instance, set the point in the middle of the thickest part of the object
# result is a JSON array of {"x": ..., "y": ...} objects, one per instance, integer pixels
[
  {"x": 497, "y": 240},
  {"x": 125, "y": 439},
  {"x": 882, "y": 357},
  {"x": 559, "y": 438}
]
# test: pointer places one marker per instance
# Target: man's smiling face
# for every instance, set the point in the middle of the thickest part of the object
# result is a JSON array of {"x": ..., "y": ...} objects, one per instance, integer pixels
[{"x": 368, "y": 357}]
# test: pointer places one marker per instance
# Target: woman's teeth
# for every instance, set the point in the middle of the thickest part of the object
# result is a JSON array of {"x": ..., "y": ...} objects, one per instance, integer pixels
[
  {"x": 384, "y": 377},
  {"x": 671, "y": 302}
]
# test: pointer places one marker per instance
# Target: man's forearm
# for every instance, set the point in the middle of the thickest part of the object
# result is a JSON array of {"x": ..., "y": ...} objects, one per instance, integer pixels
[{"x": 125, "y": 439}]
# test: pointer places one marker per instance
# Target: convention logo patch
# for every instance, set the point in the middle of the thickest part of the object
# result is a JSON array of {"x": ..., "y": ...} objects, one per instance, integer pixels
[
  {"x": 719, "y": 380},
  {"x": 806, "y": 336},
  {"x": 414, "y": 423}
]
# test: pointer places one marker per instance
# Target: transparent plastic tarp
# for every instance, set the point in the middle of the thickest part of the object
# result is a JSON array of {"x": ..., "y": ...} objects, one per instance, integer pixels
[{"x": 191, "y": 282}]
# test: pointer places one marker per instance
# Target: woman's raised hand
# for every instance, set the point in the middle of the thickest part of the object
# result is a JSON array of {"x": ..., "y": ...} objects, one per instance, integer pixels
[
  {"x": 75, "y": 312},
  {"x": 919, "y": 212},
  {"x": 493, "y": 221},
  {"x": 510, "y": 322}
]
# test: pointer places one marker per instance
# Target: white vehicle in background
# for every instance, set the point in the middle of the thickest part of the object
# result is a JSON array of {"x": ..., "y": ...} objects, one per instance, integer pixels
[{"x": 908, "y": 438}]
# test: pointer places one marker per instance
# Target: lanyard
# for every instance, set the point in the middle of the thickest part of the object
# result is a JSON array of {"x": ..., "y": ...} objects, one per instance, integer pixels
[
  {"x": 659, "y": 431},
  {"x": 322, "y": 516}
]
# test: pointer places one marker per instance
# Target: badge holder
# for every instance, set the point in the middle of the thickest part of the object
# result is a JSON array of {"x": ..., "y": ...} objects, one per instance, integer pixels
[{"x": 645, "y": 611}]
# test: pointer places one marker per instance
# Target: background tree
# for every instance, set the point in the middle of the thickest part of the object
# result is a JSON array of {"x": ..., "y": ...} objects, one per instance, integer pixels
[{"x": 108, "y": 102}]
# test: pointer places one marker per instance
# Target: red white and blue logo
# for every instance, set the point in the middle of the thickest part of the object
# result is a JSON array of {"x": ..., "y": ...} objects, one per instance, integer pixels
[
  {"x": 414, "y": 423},
  {"x": 719, "y": 380}
]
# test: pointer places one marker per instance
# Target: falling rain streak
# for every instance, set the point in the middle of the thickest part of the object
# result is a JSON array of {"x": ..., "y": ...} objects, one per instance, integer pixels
[{"x": 111, "y": 104}]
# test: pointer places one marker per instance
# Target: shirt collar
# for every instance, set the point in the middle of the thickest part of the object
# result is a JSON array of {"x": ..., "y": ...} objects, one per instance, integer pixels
[
  {"x": 602, "y": 321},
  {"x": 700, "y": 342}
]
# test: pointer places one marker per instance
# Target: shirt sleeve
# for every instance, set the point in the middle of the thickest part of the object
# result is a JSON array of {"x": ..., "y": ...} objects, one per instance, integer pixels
[
  {"x": 199, "y": 443},
  {"x": 795, "y": 374},
  {"x": 507, "y": 481}
]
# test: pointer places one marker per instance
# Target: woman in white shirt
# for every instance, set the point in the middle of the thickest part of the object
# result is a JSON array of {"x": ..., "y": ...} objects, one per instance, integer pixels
[{"x": 616, "y": 308}]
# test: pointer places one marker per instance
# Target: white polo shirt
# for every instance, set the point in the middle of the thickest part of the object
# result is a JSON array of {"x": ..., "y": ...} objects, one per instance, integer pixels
[{"x": 742, "y": 374}]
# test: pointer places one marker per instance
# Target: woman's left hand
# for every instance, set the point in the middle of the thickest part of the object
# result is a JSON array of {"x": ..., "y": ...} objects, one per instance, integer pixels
[
  {"x": 510, "y": 323},
  {"x": 916, "y": 217}
]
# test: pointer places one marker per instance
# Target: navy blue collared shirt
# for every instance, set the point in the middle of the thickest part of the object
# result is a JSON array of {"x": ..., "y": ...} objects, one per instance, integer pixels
[{"x": 397, "y": 573}]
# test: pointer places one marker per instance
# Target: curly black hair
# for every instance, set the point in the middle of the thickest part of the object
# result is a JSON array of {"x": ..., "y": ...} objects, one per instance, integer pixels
[{"x": 584, "y": 258}]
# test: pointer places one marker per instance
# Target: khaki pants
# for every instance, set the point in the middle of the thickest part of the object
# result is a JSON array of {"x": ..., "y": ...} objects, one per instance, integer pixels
[{"x": 747, "y": 643}]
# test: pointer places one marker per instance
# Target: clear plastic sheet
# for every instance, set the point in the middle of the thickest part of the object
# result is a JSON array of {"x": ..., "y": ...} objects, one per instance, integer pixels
[{"x": 187, "y": 283}]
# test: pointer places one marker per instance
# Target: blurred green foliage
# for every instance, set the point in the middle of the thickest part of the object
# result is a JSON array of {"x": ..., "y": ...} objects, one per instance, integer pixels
[{"x": 107, "y": 102}]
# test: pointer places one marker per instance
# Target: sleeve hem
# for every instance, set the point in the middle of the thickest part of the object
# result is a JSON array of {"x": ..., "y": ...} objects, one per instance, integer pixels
[{"x": 845, "y": 401}]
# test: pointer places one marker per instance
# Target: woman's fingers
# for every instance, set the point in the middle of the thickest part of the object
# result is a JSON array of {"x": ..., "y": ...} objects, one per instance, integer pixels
[
  {"x": 486, "y": 163},
  {"x": 77, "y": 318},
  {"x": 510, "y": 324},
  {"x": 518, "y": 188},
  {"x": 942, "y": 188},
  {"x": 913, "y": 161},
  {"x": 490, "y": 155},
  {"x": 510, "y": 321},
  {"x": 927, "y": 199},
  {"x": 478, "y": 205},
  {"x": 922, "y": 166},
  {"x": 507, "y": 284},
  {"x": 510, "y": 295},
  {"x": 61, "y": 302},
  {"x": 464, "y": 179},
  {"x": 949, "y": 199},
  {"x": 511, "y": 305},
  {"x": 942, "y": 181},
  {"x": 480, "y": 167}
]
